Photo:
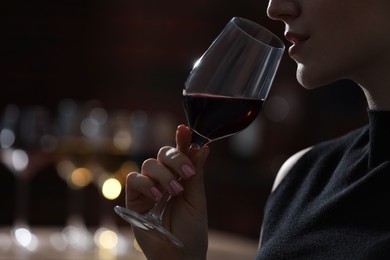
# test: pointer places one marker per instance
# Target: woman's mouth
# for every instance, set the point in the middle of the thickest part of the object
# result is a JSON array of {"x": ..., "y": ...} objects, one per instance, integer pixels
[{"x": 297, "y": 41}]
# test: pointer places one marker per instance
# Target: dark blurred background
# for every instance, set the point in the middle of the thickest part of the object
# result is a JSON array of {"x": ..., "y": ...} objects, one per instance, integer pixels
[{"x": 77, "y": 74}]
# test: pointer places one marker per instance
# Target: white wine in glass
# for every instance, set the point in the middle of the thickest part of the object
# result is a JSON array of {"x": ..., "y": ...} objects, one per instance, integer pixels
[{"x": 222, "y": 95}]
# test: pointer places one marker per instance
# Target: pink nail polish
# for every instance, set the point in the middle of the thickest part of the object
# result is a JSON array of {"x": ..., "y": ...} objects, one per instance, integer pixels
[
  {"x": 156, "y": 193},
  {"x": 187, "y": 170},
  {"x": 176, "y": 186}
]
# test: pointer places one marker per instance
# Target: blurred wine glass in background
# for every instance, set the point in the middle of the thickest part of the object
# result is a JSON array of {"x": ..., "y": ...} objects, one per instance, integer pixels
[
  {"x": 93, "y": 154},
  {"x": 70, "y": 156},
  {"x": 26, "y": 141}
]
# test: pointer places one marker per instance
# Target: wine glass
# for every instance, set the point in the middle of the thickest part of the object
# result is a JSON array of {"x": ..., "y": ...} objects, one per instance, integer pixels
[
  {"x": 222, "y": 95},
  {"x": 26, "y": 144}
]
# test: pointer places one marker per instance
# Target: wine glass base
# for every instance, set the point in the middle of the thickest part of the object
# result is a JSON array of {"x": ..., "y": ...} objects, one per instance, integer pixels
[{"x": 147, "y": 223}]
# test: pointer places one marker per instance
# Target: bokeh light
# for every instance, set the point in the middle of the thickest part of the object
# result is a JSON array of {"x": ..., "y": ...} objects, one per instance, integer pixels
[
  {"x": 106, "y": 239},
  {"x": 65, "y": 169},
  {"x": 122, "y": 140},
  {"x": 19, "y": 160},
  {"x": 24, "y": 238},
  {"x": 276, "y": 108},
  {"x": 99, "y": 114},
  {"x": 111, "y": 188},
  {"x": 89, "y": 127},
  {"x": 7, "y": 138},
  {"x": 77, "y": 237},
  {"x": 81, "y": 177}
]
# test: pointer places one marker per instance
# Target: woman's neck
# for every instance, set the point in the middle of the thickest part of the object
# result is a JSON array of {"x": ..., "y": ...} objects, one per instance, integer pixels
[
  {"x": 375, "y": 83},
  {"x": 378, "y": 98}
]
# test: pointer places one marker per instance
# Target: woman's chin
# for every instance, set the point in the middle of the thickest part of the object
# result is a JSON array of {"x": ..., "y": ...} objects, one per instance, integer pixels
[{"x": 311, "y": 79}]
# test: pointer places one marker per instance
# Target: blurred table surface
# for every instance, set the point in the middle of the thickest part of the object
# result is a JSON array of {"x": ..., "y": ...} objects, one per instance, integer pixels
[{"x": 49, "y": 243}]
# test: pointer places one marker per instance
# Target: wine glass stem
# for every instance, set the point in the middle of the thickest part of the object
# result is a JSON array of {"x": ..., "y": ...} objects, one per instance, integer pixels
[
  {"x": 158, "y": 209},
  {"x": 22, "y": 195}
]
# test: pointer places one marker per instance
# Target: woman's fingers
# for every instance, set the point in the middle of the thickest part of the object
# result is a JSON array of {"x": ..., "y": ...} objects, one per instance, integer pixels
[
  {"x": 176, "y": 161},
  {"x": 141, "y": 192},
  {"x": 162, "y": 176},
  {"x": 183, "y": 138},
  {"x": 183, "y": 144}
]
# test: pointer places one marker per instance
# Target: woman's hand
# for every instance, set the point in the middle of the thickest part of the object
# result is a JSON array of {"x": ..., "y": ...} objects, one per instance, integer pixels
[{"x": 186, "y": 214}]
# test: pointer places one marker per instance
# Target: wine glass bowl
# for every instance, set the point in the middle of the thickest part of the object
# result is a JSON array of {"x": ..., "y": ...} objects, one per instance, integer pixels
[
  {"x": 222, "y": 95},
  {"x": 227, "y": 86},
  {"x": 209, "y": 124}
]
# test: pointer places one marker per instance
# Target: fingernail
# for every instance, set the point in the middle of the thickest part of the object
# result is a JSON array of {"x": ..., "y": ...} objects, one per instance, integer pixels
[
  {"x": 156, "y": 193},
  {"x": 176, "y": 186},
  {"x": 187, "y": 170}
]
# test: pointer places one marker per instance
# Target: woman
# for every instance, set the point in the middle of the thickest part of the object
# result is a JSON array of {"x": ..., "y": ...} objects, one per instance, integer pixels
[{"x": 328, "y": 201}]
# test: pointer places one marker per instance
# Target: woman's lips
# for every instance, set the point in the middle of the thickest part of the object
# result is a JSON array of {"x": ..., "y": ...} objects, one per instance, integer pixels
[{"x": 297, "y": 41}]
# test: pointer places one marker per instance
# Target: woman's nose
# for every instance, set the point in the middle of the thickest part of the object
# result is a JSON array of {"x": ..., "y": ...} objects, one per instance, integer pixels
[{"x": 282, "y": 10}]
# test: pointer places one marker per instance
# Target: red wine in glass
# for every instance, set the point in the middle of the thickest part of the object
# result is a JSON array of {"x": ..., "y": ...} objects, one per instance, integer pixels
[{"x": 204, "y": 115}]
